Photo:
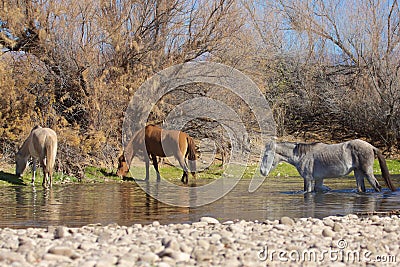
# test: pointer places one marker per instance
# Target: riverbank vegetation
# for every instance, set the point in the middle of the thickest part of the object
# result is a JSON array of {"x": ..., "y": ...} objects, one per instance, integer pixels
[
  {"x": 329, "y": 69},
  {"x": 93, "y": 174}
]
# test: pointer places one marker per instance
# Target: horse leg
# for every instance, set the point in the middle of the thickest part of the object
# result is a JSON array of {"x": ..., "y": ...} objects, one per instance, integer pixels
[
  {"x": 147, "y": 162},
  {"x": 155, "y": 164},
  {"x": 45, "y": 182},
  {"x": 33, "y": 170},
  {"x": 185, "y": 178},
  {"x": 308, "y": 185},
  {"x": 50, "y": 180},
  {"x": 45, "y": 173},
  {"x": 359, "y": 180},
  {"x": 185, "y": 175},
  {"x": 320, "y": 187},
  {"x": 372, "y": 180},
  {"x": 50, "y": 177}
]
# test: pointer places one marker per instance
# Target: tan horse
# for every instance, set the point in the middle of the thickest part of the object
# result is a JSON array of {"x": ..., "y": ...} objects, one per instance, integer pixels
[
  {"x": 41, "y": 144},
  {"x": 152, "y": 142}
]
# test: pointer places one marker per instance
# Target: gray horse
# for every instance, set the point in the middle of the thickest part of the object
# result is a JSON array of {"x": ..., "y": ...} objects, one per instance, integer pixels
[
  {"x": 317, "y": 161},
  {"x": 41, "y": 144}
]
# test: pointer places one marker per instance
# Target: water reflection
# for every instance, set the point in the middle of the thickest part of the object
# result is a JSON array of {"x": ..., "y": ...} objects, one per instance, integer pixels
[{"x": 126, "y": 203}]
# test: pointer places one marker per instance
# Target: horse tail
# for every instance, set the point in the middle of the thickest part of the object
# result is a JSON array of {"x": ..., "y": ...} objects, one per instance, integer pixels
[
  {"x": 191, "y": 152},
  {"x": 384, "y": 169},
  {"x": 51, "y": 151}
]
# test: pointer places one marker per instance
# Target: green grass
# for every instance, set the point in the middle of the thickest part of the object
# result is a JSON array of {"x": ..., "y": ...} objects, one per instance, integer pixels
[
  {"x": 95, "y": 174},
  {"x": 284, "y": 169},
  {"x": 92, "y": 175},
  {"x": 173, "y": 173},
  {"x": 287, "y": 170},
  {"x": 393, "y": 166},
  {"x": 101, "y": 175}
]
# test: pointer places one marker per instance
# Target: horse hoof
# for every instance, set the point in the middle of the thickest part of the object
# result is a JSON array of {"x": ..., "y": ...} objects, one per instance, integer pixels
[{"x": 323, "y": 189}]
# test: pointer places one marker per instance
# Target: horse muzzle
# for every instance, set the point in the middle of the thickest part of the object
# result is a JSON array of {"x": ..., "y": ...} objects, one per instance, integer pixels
[{"x": 263, "y": 171}]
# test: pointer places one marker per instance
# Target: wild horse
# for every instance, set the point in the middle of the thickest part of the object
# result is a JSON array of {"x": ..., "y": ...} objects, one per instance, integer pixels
[
  {"x": 41, "y": 144},
  {"x": 152, "y": 142},
  {"x": 317, "y": 161}
]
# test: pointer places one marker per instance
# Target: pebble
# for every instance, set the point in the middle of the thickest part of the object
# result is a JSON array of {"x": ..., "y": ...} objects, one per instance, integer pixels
[
  {"x": 170, "y": 243},
  {"x": 164, "y": 264},
  {"x": 375, "y": 218},
  {"x": 329, "y": 222},
  {"x": 204, "y": 243},
  {"x": 286, "y": 221},
  {"x": 63, "y": 251},
  {"x": 327, "y": 232},
  {"x": 209, "y": 220},
  {"x": 149, "y": 257},
  {"x": 60, "y": 232},
  {"x": 337, "y": 227}
]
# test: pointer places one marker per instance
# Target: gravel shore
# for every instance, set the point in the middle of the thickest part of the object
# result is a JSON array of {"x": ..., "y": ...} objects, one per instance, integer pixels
[{"x": 344, "y": 241}]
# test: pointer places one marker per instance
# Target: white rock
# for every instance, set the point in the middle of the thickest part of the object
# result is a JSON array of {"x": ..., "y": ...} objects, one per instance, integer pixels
[{"x": 209, "y": 220}]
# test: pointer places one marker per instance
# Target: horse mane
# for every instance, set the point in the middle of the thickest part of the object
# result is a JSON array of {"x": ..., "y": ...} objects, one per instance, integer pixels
[{"x": 301, "y": 148}]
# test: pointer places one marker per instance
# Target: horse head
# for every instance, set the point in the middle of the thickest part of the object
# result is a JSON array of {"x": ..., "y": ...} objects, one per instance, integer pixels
[
  {"x": 269, "y": 161},
  {"x": 21, "y": 163},
  {"x": 123, "y": 167}
]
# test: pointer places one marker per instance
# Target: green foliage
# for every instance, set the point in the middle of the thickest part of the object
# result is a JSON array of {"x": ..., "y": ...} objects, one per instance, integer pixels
[
  {"x": 284, "y": 169},
  {"x": 96, "y": 174}
]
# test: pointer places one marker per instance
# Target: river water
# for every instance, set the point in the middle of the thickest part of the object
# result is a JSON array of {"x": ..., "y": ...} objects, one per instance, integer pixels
[{"x": 125, "y": 203}]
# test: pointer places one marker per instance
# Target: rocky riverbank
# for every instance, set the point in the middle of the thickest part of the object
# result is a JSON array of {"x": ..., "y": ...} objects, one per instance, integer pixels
[{"x": 347, "y": 240}]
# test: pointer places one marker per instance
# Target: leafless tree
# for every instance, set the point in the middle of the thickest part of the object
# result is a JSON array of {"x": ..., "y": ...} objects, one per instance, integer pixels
[
  {"x": 95, "y": 55},
  {"x": 340, "y": 58}
]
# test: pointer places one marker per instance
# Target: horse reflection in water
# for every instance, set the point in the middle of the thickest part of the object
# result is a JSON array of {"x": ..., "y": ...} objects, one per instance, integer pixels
[
  {"x": 36, "y": 207},
  {"x": 152, "y": 142},
  {"x": 341, "y": 203},
  {"x": 317, "y": 161},
  {"x": 41, "y": 144}
]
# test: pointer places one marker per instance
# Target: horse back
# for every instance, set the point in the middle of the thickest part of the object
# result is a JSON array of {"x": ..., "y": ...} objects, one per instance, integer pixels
[
  {"x": 362, "y": 152},
  {"x": 42, "y": 141},
  {"x": 153, "y": 141},
  {"x": 165, "y": 143}
]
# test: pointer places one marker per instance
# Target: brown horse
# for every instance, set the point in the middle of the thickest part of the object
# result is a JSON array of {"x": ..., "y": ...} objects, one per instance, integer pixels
[
  {"x": 152, "y": 142},
  {"x": 41, "y": 144}
]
